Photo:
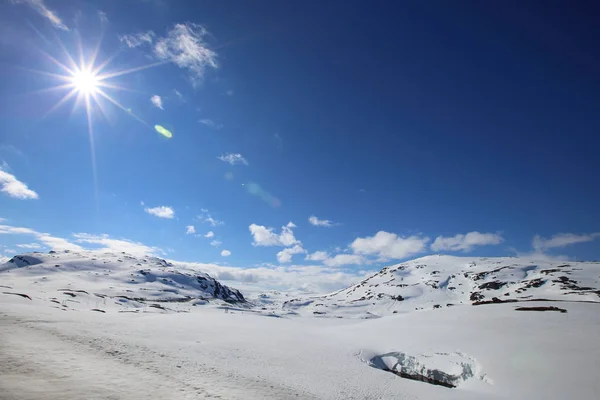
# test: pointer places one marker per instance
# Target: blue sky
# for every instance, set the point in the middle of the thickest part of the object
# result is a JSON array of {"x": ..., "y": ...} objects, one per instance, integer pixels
[{"x": 404, "y": 129}]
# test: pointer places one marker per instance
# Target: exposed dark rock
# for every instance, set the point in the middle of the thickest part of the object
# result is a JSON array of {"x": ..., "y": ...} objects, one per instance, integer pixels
[
  {"x": 548, "y": 308},
  {"x": 495, "y": 285},
  {"x": 18, "y": 294},
  {"x": 476, "y": 296}
]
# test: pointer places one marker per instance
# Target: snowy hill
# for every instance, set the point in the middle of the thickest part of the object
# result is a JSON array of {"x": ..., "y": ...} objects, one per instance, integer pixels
[
  {"x": 443, "y": 281},
  {"x": 148, "y": 339},
  {"x": 101, "y": 281}
]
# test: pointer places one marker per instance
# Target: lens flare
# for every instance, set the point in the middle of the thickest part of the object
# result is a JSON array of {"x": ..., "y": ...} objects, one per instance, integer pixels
[
  {"x": 255, "y": 190},
  {"x": 163, "y": 131}
]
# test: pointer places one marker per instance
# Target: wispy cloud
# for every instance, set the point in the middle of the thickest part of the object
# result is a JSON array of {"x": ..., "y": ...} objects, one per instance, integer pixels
[
  {"x": 465, "y": 242},
  {"x": 161, "y": 212},
  {"x": 137, "y": 39},
  {"x": 206, "y": 217},
  {"x": 263, "y": 236},
  {"x": 344, "y": 259},
  {"x": 285, "y": 255},
  {"x": 116, "y": 245},
  {"x": 30, "y": 246},
  {"x": 320, "y": 222},
  {"x": 541, "y": 244},
  {"x": 13, "y": 187},
  {"x": 225, "y": 253},
  {"x": 233, "y": 159},
  {"x": 210, "y": 123},
  {"x": 337, "y": 260},
  {"x": 294, "y": 278},
  {"x": 179, "y": 95},
  {"x": 318, "y": 256},
  {"x": 184, "y": 46},
  {"x": 216, "y": 243},
  {"x": 190, "y": 230},
  {"x": 9, "y": 148},
  {"x": 209, "y": 234},
  {"x": 157, "y": 101},
  {"x": 103, "y": 242},
  {"x": 386, "y": 245},
  {"x": 56, "y": 243},
  {"x": 229, "y": 92},
  {"x": 40, "y": 8}
]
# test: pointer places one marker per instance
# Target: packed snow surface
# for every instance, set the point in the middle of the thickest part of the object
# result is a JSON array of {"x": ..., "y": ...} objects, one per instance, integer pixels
[{"x": 97, "y": 327}]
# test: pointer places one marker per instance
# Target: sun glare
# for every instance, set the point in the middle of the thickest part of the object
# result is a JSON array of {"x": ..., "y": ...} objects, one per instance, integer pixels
[{"x": 85, "y": 82}]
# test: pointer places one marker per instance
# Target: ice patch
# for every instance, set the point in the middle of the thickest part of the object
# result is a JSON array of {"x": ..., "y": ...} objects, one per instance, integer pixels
[{"x": 443, "y": 369}]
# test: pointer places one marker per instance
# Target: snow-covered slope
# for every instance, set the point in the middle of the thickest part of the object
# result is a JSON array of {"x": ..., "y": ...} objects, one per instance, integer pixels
[
  {"x": 89, "y": 280},
  {"x": 150, "y": 341},
  {"x": 445, "y": 281}
]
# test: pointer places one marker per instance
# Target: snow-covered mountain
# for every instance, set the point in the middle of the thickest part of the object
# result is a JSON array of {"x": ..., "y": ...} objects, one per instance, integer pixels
[
  {"x": 89, "y": 325},
  {"x": 443, "y": 281},
  {"x": 100, "y": 281}
]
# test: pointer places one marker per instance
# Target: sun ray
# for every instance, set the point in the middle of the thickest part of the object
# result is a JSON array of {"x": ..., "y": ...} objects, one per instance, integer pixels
[
  {"x": 66, "y": 97},
  {"x": 116, "y": 103},
  {"x": 130, "y": 70}
]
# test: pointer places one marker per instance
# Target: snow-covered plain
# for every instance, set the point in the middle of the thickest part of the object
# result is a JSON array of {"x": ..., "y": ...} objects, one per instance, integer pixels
[{"x": 165, "y": 334}]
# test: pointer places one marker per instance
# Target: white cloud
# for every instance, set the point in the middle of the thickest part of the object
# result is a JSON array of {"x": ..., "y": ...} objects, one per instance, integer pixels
[
  {"x": 387, "y": 245},
  {"x": 233, "y": 159},
  {"x": 29, "y": 246},
  {"x": 190, "y": 229},
  {"x": 137, "y": 39},
  {"x": 466, "y": 242},
  {"x": 209, "y": 234},
  {"x": 157, "y": 101},
  {"x": 541, "y": 244},
  {"x": 13, "y": 187},
  {"x": 285, "y": 255},
  {"x": 161, "y": 212},
  {"x": 15, "y": 230},
  {"x": 40, "y": 8},
  {"x": 318, "y": 256},
  {"x": 320, "y": 222},
  {"x": 184, "y": 46},
  {"x": 210, "y": 123},
  {"x": 216, "y": 243},
  {"x": 344, "y": 259},
  {"x": 264, "y": 236},
  {"x": 9, "y": 251},
  {"x": 206, "y": 217},
  {"x": 225, "y": 253},
  {"x": 337, "y": 260},
  {"x": 294, "y": 278},
  {"x": 229, "y": 92},
  {"x": 58, "y": 243},
  {"x": 116, "y": 245}
]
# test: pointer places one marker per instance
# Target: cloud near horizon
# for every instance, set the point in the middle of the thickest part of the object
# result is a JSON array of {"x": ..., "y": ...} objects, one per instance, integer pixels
[
  {"x": 466, "y": 242},
  {"x": 389, "y": 246},
  {"x": 559, "y": 240}
]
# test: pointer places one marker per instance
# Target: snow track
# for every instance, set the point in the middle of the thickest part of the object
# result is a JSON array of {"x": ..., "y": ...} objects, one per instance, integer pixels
[{"x": 39, "y": 362}]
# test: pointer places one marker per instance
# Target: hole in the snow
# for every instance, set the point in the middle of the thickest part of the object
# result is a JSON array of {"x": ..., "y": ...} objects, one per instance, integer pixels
[{"x": 442, "y": 369}]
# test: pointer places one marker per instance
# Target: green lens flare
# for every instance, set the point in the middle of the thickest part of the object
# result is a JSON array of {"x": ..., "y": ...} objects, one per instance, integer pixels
[{"x": 163, "y": 131}]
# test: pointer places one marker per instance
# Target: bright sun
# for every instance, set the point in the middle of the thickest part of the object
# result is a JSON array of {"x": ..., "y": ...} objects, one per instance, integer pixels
[{"x": 85, "y": 82}]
